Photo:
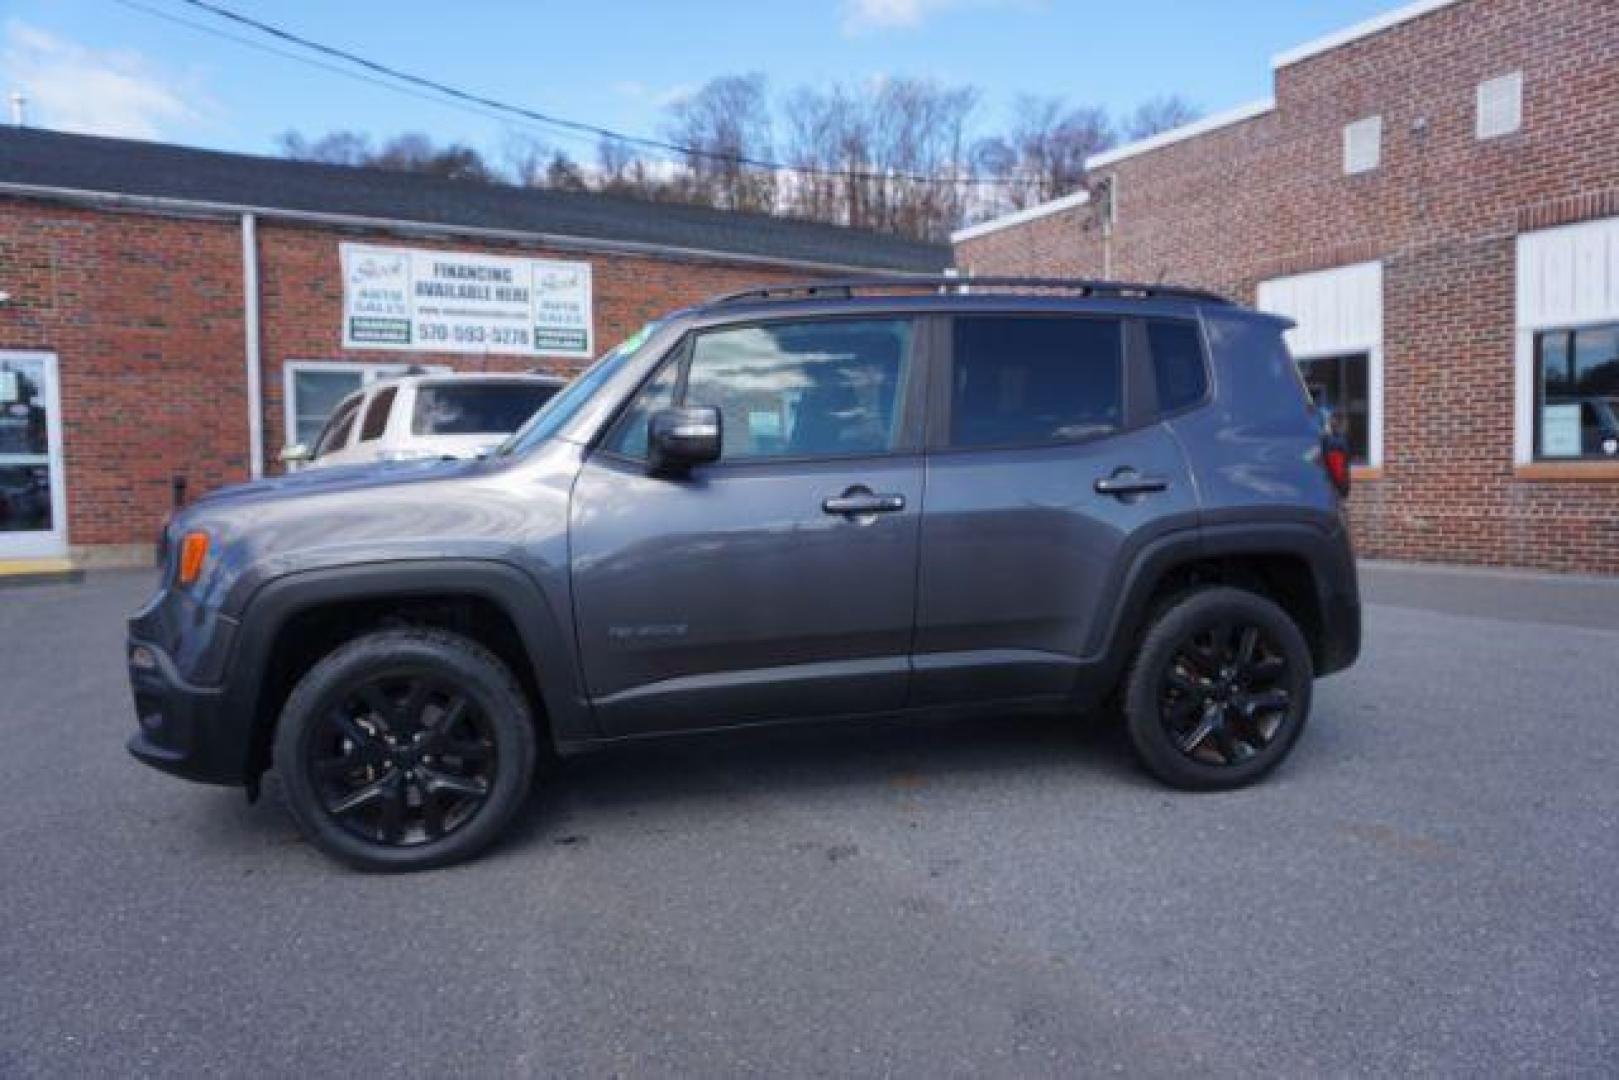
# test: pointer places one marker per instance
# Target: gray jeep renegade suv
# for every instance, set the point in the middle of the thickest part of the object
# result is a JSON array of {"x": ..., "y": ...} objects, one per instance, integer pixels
[{"x": 830, "y": 501}]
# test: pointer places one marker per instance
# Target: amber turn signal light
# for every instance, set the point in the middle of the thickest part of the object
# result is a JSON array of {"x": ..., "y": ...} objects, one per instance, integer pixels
[{"x": 193, "y": 550}]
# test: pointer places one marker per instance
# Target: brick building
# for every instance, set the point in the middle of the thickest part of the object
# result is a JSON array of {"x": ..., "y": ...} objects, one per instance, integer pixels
[
  {"x": 172, "y": 313},
  {"x": 1434, "y": 197}
]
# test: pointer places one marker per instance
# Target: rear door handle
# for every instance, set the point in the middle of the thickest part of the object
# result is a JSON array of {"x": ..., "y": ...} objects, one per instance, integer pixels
[
  {"x": 863, "y": 502},
  {"x": 1130, "y": 484}
]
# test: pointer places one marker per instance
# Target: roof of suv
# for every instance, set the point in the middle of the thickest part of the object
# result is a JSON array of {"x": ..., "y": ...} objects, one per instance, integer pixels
[
  {"x": 948, "y": 285},
  {"x": 915, "y": 294}
]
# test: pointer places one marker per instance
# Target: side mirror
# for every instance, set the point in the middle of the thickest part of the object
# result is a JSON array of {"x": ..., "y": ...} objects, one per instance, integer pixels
[
  {"x": 296, "y": 454},
  {"x": 677, "y": 439}
]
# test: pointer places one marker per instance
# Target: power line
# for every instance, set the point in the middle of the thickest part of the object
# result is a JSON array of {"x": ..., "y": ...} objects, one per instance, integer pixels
[
  {"x": 482, "y": 103},
  {"x": 287, "y": 54}
]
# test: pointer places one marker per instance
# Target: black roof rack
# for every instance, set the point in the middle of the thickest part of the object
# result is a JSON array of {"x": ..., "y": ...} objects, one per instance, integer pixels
[{"x": 946, "y": 284}]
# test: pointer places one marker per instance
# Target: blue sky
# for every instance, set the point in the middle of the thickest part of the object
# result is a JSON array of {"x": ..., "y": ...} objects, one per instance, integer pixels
[{"x": 102, "y": 65}]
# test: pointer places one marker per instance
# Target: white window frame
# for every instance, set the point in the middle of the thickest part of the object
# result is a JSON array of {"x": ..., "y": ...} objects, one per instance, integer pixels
[
  {"x": 1567, "y": 279},
  {"x": 52, "y": 542},
  {"x": 1339, "y": 312},
  {"x": 368, "y": 370},
  {"x": 1369, "y": 127},
  {"x": 1510, "y": 83}
]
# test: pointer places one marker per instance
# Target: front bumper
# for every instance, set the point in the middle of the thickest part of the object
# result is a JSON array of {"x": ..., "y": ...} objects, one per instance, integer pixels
[{"x": 185, "y": 730}]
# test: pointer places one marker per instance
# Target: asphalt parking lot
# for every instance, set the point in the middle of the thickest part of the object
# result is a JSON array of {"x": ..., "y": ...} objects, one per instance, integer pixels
[{"x": 1427, "y": 886}]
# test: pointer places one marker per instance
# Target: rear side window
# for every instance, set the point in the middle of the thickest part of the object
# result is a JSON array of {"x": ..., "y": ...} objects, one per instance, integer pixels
[
  {"x": 1177, "y": 363},
  {"x": 476, "y": 408},
  {"x": 1026, "y": 380},
  {"x": 376, "y": 414}
]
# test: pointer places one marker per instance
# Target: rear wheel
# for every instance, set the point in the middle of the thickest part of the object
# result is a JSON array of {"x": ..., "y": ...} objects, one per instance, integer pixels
[
  {"x": 1219, "y": 691},
  {"x": 406, "y": 749}
]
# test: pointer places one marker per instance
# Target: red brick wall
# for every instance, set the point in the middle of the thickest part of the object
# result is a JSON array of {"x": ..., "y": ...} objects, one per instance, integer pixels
[
  {"x": 1268, "y": 197},
  {"x": 144, "y": 314}
]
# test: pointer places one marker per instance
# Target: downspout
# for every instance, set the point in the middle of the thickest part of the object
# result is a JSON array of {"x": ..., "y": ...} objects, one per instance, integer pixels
[{"x": 250, "y": 329}]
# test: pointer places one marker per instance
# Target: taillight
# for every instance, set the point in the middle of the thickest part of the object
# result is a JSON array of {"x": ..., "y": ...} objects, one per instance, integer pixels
[{"x": 1335, "y": 456}]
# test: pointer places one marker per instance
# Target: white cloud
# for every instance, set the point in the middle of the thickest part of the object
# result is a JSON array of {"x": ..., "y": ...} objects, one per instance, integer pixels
[
  {"x": 71, "y": 87},
  {"x": 657, "y": 96},
  {"x": 871, "y": 16}
]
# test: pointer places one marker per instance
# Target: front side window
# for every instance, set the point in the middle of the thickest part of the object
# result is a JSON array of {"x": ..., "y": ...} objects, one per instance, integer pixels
[
  {"x": 1028, "y": 380},
  {"x": 1577, "y": 393},
  {"x": 476, "y": 408},
  {"x": 812, "y": 389},
  {"x": 1337, "y": 385}
]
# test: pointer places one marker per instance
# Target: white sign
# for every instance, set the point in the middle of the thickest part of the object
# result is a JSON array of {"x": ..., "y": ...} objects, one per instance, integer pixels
[
  {"x": 448, "y": 301},
  {"x": 1560, "y": 431}
]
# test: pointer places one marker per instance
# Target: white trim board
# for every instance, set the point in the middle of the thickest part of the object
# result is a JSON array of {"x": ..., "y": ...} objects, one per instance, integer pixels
[
  {"x": 1337, "y": 312},
  {"x": 1375, "y": 25},
  {"x": 1567, "y": 278},
  {"x": 1219, "y": 120},
  {"x": 1019, "y": 217}
]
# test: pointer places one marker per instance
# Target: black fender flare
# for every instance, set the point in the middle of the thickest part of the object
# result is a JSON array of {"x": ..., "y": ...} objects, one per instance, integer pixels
[
  {"x": 549, "y": 647},
  {"x": 1325, "y": 550}
]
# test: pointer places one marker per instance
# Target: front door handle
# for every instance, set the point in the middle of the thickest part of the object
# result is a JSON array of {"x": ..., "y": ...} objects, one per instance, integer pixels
[
  {"x": 858, "y": 501},
  {"x": 1129, "y": 483}
]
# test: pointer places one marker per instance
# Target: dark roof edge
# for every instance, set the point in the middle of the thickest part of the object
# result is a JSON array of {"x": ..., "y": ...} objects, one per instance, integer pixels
[{"x": 169, "y": 206}]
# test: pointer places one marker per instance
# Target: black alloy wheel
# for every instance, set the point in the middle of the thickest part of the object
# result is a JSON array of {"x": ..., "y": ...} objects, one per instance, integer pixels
[
  {"x": 1224, "y": 697},
  {"x": 403, "y": 758},
  {"x": 406, "y": 749},
  {"x": 1219, "y": 690}
]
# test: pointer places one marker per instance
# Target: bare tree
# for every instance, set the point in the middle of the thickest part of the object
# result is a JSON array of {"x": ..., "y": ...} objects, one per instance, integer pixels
[
  {"x": 564, "y": 174},
  {"x": 1159, "y": 114},
  {"x": 1042, "y": 156},
  {"x": 728, "y": 119},
  {"x": 418, "y": 153},
  {"x": 525, "y": 158},
  {"x": 621, "y": 171},
  {"x": 892, "y": 156},
  {"x": 412, "y": 152},
  {"x": 334, "y": 148}
]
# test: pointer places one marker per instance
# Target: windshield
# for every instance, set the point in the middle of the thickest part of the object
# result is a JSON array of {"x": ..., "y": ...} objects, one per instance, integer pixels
[
  {"x": 560, "y": 409},
  {"x": 476, "y": 408}
]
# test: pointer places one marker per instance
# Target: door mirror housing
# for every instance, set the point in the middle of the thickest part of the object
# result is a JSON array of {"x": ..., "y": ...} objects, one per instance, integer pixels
[
  {"x": 296, "y": 454},
  {"x": 680, "y": 438}
]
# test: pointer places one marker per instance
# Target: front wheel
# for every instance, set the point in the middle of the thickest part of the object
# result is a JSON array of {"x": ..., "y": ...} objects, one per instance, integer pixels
[
  {"x": 405, "y": 749},
  {"x": 1219, "y": 690}
]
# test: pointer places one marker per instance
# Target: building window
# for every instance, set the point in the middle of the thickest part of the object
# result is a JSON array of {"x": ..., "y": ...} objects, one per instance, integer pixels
[
  {"x": 312, "y": 389},
  {"x": 1338, "y": 386},
  {"x": 1500, "y": 106},
  {"x": 1363, "y": 145},
  {"x": 1577, "y": 394}
]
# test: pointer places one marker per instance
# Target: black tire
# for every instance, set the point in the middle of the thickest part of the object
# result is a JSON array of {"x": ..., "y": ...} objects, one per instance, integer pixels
[
  {"x": 1203, "y": 716},
  {"x": 398, "y": 715}
]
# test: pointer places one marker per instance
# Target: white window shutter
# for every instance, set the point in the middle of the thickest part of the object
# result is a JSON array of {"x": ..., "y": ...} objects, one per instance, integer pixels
[
  {"x": 1363, "y": 145},
  {"x": 1500, "y": 105}
]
